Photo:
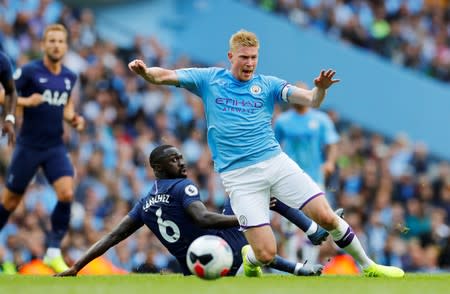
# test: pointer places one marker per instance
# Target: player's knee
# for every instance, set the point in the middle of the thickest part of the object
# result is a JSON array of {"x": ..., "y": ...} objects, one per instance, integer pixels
[
  {"x": 10, "y": 200},
  {"x": 328, "y": 220},
  {"x": 266, "y": 254},
  {"x": 65, "y": 195}
]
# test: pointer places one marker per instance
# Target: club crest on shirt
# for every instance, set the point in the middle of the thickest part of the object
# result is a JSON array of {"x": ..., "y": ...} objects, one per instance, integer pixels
[
  {"x": 242, "y": 221},
  {"x": 255, "y": 89},
  {"x": 67, "y": 83},
  {"x": 191, "y": 190},
  {"x": 313, "y": 124},
  {"x": 17, "y": 73}
]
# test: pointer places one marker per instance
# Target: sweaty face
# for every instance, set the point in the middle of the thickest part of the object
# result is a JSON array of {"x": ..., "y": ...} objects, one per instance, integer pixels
[
  {"x": 55, "y": 45},
  {"x": 173, "y": 164},
  {"x": 243, "y": 62}
]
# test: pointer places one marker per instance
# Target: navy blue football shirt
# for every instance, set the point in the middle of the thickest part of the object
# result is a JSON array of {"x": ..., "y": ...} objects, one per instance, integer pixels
[
  {"x": 163, "y": 212},
  {"x": 43, "y": 125}
]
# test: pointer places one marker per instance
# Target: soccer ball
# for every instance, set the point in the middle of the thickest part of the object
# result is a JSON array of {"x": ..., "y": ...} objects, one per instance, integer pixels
[{"x": 209, "y": 257}]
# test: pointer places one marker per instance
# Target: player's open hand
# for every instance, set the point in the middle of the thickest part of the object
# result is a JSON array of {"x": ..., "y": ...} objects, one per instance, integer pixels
[
  {"x": 71, "y": 272},
  {"x": 8, "y": 130},
  {"x": 138, "y": 66},
  {"x": 325, "y": 79}
]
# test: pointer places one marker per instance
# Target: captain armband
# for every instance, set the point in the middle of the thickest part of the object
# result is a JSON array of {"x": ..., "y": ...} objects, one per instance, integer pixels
[{"x": 286, "y": 92}]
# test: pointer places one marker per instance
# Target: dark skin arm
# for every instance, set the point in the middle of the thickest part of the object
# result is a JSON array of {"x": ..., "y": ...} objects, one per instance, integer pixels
[
  {"x": 123, "y": 230},
  {"x": 197, "y": 210},
  {"x": 10, "y": 101},
  {"x": 210, "y": 220}
]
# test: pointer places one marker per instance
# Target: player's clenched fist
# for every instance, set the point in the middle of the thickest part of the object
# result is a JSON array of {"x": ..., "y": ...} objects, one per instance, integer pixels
[
  {"x": 137, "y": 66},
  {"x": 78, "y": 122}
]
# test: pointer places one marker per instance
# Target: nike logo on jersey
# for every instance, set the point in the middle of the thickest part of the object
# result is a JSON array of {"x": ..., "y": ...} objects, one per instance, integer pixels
[{"x": 43, "y": 80}]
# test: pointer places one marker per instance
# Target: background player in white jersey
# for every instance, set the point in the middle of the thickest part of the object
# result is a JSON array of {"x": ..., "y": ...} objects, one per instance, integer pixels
[
  {"x": 45, "y": 86},
  {"x": 307, "y": 136},
  {"x": 238, "y": 107}
]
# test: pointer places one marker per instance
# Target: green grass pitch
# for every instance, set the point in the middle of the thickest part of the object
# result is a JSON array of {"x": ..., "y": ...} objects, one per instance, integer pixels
[{"x": 174, "y": 284}]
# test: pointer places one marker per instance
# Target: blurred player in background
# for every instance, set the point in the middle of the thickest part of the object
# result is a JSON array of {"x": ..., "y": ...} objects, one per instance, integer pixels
[
  {"x": 308, "y": 136},
  {"x": 239, "y": 105},
  {"x": 173, "y": 211},
  {"x": 44, "y": 87},
  {"x": 8, "y": 97}
]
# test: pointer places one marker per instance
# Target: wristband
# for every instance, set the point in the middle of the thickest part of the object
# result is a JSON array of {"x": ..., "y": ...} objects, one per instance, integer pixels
[{"x": 10, "y": 118}]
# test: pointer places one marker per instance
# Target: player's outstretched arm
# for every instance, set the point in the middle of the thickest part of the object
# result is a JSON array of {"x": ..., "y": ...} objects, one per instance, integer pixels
[
  {"x": 154, "y": 75},
  {"x": 122, "y": 231},
  {"x": 315, "y": 96},
  {"x": 10, "y": 97},
  {"x": 208, "y": 219},
  {"x": 31, "y": 101}
]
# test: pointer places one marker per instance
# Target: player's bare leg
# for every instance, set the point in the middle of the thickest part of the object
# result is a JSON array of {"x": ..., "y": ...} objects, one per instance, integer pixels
[
  {"x": 9, "y": 203},
  {"x": 262, "y": 249},
  {"x": 60, "y": 223},
  {"x": 320, "y": 211}
]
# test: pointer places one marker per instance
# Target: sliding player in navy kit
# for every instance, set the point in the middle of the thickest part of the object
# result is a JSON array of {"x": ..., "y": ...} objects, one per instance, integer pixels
[
  {"x": 44, "y": 87},
  {"x": 173, "y": 211}
]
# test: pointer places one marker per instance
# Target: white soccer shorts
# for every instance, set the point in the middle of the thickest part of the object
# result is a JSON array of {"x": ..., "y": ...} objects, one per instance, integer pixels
[{"x": 250, "y": 188}]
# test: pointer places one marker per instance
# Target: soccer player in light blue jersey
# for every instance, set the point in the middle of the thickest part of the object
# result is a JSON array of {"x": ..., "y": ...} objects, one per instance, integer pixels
[
  {"x": 309, "y": 137},
  {"x": 238, "y": 105}
]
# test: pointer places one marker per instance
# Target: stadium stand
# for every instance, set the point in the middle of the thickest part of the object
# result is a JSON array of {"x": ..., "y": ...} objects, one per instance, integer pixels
[{"x": 411, "y": 33}]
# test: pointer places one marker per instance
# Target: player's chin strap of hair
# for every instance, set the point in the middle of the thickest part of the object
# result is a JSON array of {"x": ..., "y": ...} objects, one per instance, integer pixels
[{"x": 11, "y": 118}]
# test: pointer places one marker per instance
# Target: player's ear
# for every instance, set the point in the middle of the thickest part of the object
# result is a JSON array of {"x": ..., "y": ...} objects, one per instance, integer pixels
[
  {"x": 230, "y": 56},
  {"x": 157, "y": 167}
]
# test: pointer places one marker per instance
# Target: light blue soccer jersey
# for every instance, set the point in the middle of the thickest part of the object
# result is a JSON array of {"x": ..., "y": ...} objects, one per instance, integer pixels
[
  {"x": 304, "y": 138},
  {"x": 238, "y": 114}
]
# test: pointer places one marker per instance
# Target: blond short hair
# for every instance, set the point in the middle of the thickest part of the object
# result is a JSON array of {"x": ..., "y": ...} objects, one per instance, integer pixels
[
  {"x": 243, "y": 38},
  {"x": 55, "y": 27}
]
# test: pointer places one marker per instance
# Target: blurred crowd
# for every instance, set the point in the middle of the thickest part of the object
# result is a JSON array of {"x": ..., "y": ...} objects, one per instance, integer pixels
[
  {"x": 397, "y": 198},
  {"x": 410, "y": 33}
]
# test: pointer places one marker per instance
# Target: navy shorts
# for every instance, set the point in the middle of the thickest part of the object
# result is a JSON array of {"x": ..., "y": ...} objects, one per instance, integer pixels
[
  {"x": 236, "y": 239},
  {"x": 55, "y": 163}
]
